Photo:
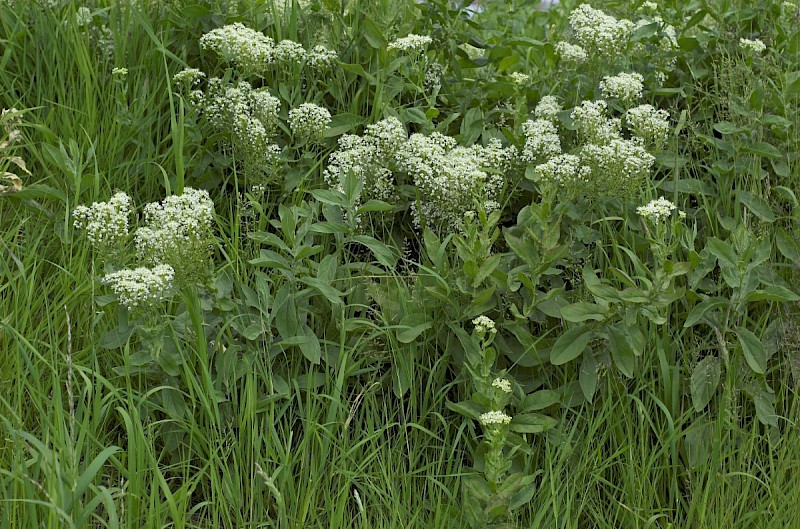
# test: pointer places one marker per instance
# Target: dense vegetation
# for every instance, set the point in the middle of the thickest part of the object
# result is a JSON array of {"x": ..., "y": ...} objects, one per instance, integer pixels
[{"x": 380, "y": 263}]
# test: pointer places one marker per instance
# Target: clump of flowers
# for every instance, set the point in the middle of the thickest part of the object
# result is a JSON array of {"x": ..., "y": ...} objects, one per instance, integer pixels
[
  {"x": 548, "y": 108},
  {"x": 248, "y": 49},
  {"x": 494, "y": 418},
  {"x": 411, "y": 43},
  {"x": 571, "y": 52},
  {"x": 188, "y": 77},
  {"x": 566, "y": 170},
  {"x": 248, "y": 116},
  {"x": 657, "y": 209},
  {"x": 649, "y": 123},
  {"x": 594, "y": 124},
  {"x": 99, "y": 34},
  {"x": 599, "y": 33},
  {"x": 321, "y": 58},
  {"x": 483, "y": 325},
  {"x": 178, "y": 233},
  {"x": 618, "y": 167},
  {"x": 105, "y": 223},
  {"x": 754, "y": 46},
  {"x": 309, "y": 121},
  {"x": 289, "y": 51},
  {"x": 502, "y": 384},
  {"x": 626, "y": 87},
  {"x": 541, "y": 140},
  {"x": 521, "y": 80},
  {"x": 141, "y": 288}
]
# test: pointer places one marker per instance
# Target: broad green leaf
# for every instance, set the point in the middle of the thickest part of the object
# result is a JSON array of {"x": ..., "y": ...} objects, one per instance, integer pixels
[
  {"x": 699, "y": 310},
  {"x": 324, "y": 288},
  {"x": 773, "y": 293},
  {"x": 723, "y": 252},
  {"x": 621, "y": 351},
  {"x": 765, "y": 408},
  {"x": 411, "y": 327},
  {"x": 467, "y": 408},
  {"x": 570, "y": 345},
  {"x": 582, "y": 311},
  {"x": 788, "y": 246},
  {"x": 762, "y": 148},
  {"x": 704, "y": 382},
  {"x": 757, "y": 205},
  {"x": 753, "y": 351},
  {"x": 540, "y": 400},
  {"x": 531, "y": 423},
  {"x": 588, "y": 376},
  {"x": 726, "y": 127},
  {"x": 383, "y": 253}
]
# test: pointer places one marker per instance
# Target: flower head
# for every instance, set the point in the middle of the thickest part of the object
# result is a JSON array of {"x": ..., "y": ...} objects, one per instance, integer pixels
[
  {"x": 502, "y": 384},
  {"x": 599, "y": 33},
  {"x": 755, "y": 46},
  {"x": 626, "y": 86},
  {"x": 570, "y": 52},
  {"x": 548, "y": 108},
  {"x": 411, "y": 43},
  {"x": 142, "y": 287},
  {"x": 484, "y": 325},
  {"x": 105, "y": 223},
  {"x": 309, "y": 121},
  {"x": 656, "y": 210},
  {"x": 494, "y": 418}
]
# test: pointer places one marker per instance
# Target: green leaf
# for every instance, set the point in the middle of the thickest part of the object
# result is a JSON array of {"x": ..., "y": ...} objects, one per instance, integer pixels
[
  {"x": 467, "y": 408},
  {"x": 773, "y": 293},
  {"x": 582, "y": 311},
  {"x": 539, "y": 400},
  {"x": 570, "y": 345},
  {"x": 726, "y": 127},
  {"x": 531, "y": 423},
  {"x": 324, "y": 288},
  {"x": 788, "y": 246},
  {"x": 757, "y": 205},
  {"x": 588, "y": 376},
  {"x": 699, "y": 310},
  {"x": 343, "y": 123},
  {"x": 411, "y": 327},
  {"x": 762, "y": 148},
  {"x": 765, "y": 408},
  {"x": 328, "y": 196},
  {"x": 753, "y": 350},
  {"x": 723, "y": 251},
  {"x": 383, "y": 254},
  {"x": 621, "y": 351},
  {"x": 704, "y": 382}
]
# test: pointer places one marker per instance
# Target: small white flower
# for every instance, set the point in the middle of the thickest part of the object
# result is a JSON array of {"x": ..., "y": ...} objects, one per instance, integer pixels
[
  {"x": 411, "y": 43},
  {"x": 105, "y": 223},
  {"x": 649, "y": 123},
  {"x": 483, "y": 325},
  {"x": 520, "y": 79},
  {"x": 570, "y": 52},
  {"x": 309, "y": 121},
  {"x": 541, "y": 140},
  {"x": 492, "y": 418},
  {"x": 141, "y": 287},
  {"x": 593, "y": 124},
  {"x": 289, "y": 51},
  {"x": 755, "y": 46},
  {"x": 599, "y": 33},
  {"x": 247, "y": 48},
  {"x": 188, "y": 76},
  {"x": 548, "y": 108},
  {"x": 656, "y": 210},
  {"x": 321, "y": 58},
  {"x": 625, "y": 86},
  {"x": 121, "y": 73},
  {"x": 502, "y": 384}
]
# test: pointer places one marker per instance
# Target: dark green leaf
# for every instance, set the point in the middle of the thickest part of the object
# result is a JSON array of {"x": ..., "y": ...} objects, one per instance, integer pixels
[
  {"x": 704, "y": 382},
  {"x": 753, "y": 351},
  {"x": 570, "y": 345}
]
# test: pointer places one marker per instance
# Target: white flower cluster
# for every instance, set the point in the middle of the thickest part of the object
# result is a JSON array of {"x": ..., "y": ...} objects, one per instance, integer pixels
[
  {"x": 411, "y": 43},
  {"x": 252, "y": 51},
  {"x": 142, "y": 287},
  {"x": 321, "y": 58},
  {"x": 177, "y": 231},
  {"x": 502, "y": 384},
  {"x": 626, "y": 87},
  {"x": 370, "y": 157},
  {"x": 450, "y": 179},
  {"x": 188, "y": 77},
  {"x": 484, "y": 325},
  {"x": 521, "y": 80},
  {"x": 541, "y": 140},
  {"x": 570, "y": 52},
  {"x": 649, "y": 124},
  {"x": 120, "y": 73},
  {"x": 548, "y": 108},
  {"x": 593, "y": 124},
  {"x": 309, "y": 121},
  {"x": 606, "y": 163},
  {"x": 599, "y": 33},
  {"x": 434, "y": 74},
  {"x": 248, "y": 49},
  {"x": 249, "y": 115},
  {"x": 105, "y": 223},
  {"x": 494, "y": 418},
  {"x": 656, "y": 210},
  {"x": 755, "y": 46}
]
